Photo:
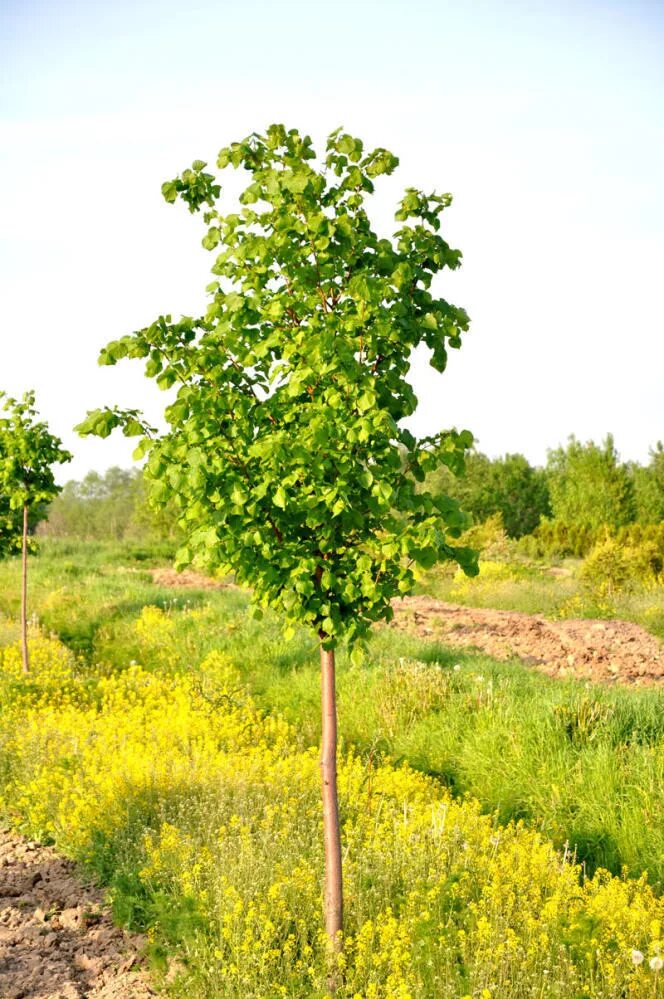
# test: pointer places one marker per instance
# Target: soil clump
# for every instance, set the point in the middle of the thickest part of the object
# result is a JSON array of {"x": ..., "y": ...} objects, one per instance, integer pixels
[{"x": 57, "y": 940}]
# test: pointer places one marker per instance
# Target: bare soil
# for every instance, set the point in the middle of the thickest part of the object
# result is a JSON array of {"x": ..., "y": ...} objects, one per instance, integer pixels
[
  {"x": 188, "y": 579},
  {"x": 57, "y": 940},
  {"x": 606, "y": 651}
]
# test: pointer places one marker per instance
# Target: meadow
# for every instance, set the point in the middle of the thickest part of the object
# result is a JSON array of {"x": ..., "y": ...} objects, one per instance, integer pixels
[{"x": 503, "y": 832}]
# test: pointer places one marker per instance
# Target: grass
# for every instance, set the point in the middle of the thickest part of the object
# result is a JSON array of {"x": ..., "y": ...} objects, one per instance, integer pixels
[
  {"x": 582, "y": 764},
  {"x": 188, "y": 784}
]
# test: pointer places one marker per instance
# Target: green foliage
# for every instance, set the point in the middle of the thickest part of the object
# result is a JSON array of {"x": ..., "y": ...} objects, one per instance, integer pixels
[
  {"x": 637, "y": 534},
  {"x": 109, "y": 507},
  {"x": 589, "y": 487},
  {"x": 649, "y": 487},
  {"x": 489, "y": 538},
  {"x": 508, "y": 486},
  {"x": 613, "y": 566},
  {"x": 554, "y": 538},
  {"x": 285, "y": 453},
  {"x": 27, "y": 452}
]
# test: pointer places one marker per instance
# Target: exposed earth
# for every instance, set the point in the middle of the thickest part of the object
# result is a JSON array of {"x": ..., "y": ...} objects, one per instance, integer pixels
[
  {"x": 188, "y": 578},
  {"x": 607, "y": 651},
  {"x": 57, "y": 940}
]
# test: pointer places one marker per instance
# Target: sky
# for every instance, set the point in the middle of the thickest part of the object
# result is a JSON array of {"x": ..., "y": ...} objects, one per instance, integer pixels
[{"x": 545, "y": 121}]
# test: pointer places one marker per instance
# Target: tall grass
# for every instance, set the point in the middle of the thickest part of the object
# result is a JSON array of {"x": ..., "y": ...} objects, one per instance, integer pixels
[{"x": 583, "y": 764}]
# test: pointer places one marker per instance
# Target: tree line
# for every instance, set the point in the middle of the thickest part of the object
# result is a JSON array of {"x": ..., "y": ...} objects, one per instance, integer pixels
[
  {"x": 583, "y": 489},
  {"x": 109, "y": 506}
]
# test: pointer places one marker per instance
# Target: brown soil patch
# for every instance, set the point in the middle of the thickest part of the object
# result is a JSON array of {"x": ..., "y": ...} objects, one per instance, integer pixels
[
  {"x": 57, "y": 940},
  {"x": 188, "y": 578},
  {"x": 608, "y": 651}
]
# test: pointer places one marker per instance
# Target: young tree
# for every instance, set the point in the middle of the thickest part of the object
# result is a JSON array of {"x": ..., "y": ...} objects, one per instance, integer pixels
[
  {"x": 589, "y": 487},
  {"x": 27, "y": 485},
  {"x": 285, "y": 450}
]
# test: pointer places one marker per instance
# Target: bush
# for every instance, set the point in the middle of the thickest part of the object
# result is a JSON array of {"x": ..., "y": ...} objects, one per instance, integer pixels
[
  {"x": 555, "y": 538},
  {"x": 613, "y": 567},
  {"x": 489, "y": 538}
]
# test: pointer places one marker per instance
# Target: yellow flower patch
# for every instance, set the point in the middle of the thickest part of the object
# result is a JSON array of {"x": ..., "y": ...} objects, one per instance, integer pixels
[{"x": 208, "y": 808}]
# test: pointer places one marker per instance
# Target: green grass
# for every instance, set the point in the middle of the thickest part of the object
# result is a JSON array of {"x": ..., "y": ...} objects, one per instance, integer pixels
[
  {"x": 582, "y": 763},
  {"x": 554, "y": 591}
]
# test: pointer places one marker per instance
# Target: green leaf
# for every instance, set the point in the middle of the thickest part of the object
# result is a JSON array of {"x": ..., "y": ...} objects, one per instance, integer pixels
[
  {"x": 141, "y": 449},
  {"x": 212, "y": 238},
  {"x": 170, "y": 190},
  {"x": 365, "y": 402},
  {"x": 132, "y": 428}
]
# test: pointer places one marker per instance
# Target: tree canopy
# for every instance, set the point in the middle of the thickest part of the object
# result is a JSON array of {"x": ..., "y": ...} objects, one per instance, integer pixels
[
  {"x": 649, "y": 487},
  {"x": 509, "y": 486},
  {"x": 286, "y": 452},
  {"x": 27, "y": 453}
]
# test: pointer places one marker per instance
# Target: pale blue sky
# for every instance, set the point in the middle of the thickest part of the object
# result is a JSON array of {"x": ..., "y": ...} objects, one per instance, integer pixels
[{"x": 546, "y": 122}]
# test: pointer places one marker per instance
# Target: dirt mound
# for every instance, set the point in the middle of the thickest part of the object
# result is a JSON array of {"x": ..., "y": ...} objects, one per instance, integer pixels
[
  {"x": 609, "y": 651},
  {"x": 57, "y": 940},
  {"x": 188, "y": 578}
]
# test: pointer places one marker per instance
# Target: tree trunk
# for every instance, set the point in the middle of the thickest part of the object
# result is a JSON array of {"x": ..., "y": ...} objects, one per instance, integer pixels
[
  {"x": 24, "y": 592},
  {"x": 328, "y": 765}
]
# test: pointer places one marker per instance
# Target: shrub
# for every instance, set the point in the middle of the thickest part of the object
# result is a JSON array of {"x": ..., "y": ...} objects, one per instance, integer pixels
[
  {"x": 613, "y": 567},
  {"x": 558, "y": 538}
]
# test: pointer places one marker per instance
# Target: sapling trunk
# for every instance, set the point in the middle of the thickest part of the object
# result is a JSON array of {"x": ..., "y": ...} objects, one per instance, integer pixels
[
  {"x": 250, "y": 461},
  {"x": 24, "y": 592},
  {"x": 333, "y": 906}
]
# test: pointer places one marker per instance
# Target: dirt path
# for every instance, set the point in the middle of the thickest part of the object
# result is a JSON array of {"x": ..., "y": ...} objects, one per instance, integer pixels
[
  {"x": 608, "y": 651},
  {"x": 57, "y": 940}
]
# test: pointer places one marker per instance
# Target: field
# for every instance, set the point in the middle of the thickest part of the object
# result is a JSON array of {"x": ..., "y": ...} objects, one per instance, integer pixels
[{"x": 503, "y": 830}]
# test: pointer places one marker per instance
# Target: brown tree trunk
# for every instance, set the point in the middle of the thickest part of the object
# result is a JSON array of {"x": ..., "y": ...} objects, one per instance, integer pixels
[
  {"x": 333, "y": 906},
  {"x": 24, "y": 592}
]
